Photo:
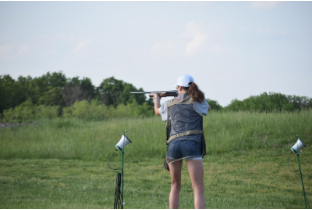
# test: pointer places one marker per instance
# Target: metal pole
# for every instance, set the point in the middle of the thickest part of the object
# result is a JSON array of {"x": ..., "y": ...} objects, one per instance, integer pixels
[
  {"x": 122, "y": 170},
  {"x": 122, "y": 180},
  {"x": 302, "y": 183}
]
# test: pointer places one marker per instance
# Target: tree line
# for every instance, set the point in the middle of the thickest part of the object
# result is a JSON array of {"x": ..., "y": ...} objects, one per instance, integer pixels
[
  {"x": 54, "y": 89},
  {"x": 270, "y": 102},
  {"x": 54, "y": 95}
]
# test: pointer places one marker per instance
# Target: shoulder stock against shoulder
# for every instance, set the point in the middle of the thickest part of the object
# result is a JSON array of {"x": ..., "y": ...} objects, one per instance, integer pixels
[{"x": 173, "y": 93}]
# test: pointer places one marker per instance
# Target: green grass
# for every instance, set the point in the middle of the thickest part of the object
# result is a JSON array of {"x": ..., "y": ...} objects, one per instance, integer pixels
[{"x": 62, "y": 163}]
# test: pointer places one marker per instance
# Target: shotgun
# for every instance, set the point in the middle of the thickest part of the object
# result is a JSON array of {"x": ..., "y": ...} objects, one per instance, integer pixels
[{"x": 160, "y": 93}]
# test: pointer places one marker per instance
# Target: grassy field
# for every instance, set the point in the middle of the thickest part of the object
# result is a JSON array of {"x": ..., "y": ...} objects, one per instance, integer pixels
[{"x": 62, "y": 163}]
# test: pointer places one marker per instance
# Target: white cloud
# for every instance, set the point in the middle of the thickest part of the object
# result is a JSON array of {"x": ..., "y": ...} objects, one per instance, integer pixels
[
  {"x": 4, "y": 50},
  {"x": 81, "y": 45},
  {"x": 220, "y": 49},
  {"x": 44, "y": 41},
  {"x": 194, "y": 46},
  {"x": 12, "y": 52},
  {"x": 23, "y": 49},
  {"x": 194, "y": 30},
  {"x": 264, "y": 4},
  {"x": 162, "y": 46},
  {"x": 176, "y": 48}
]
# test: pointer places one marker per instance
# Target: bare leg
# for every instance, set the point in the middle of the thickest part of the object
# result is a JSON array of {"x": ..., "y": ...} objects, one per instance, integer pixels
[
  {"x": 175, "y": 172},
  {"x": 196, "y": 171}
]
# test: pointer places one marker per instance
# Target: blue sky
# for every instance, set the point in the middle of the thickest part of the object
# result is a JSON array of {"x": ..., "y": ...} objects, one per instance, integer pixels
[{"x": 232, "y": 49}]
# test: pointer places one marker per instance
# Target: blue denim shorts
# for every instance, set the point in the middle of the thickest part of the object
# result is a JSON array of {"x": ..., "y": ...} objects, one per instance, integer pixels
[{"x": 183, "y": 149}]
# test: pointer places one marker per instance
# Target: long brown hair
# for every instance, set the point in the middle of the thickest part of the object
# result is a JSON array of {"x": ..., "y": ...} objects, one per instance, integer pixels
[{"x": 195, "y": 92}]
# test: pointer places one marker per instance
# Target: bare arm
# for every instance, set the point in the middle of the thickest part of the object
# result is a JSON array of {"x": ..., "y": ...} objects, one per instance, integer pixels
[{"x": 156, "y": 103}]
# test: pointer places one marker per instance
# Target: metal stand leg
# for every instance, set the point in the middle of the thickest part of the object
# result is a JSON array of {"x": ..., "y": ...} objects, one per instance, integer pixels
[
  {"x": 122, "y": 170},
  {"x": 122, "y": 180},
  {"x": 302, "y": 183}
]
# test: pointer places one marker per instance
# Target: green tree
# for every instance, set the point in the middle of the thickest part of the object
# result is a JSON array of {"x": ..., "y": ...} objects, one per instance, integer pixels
[
  {"x": 299, "y": 102},
  {"x": 235, "y": 105},
  {"x": 78, "y": 90},
  {"x": 268, "y": 102},
  {"x": 113, "y": 92},
  {"x": 12, "y": 93},
  {"x": 51, "y": 97},
  {"x": 214, "y": 105},
  {"x": 40, "y": 87}
]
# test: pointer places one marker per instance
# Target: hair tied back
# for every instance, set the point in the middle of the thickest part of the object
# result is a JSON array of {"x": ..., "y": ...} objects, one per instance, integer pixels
[{"x": 195, "y": 93}]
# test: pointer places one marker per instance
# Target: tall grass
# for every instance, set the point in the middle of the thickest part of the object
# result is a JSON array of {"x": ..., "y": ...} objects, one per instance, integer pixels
[
  {"x": 62, "y": 163},
  {"x": 78, "y": 139},
  {"x": 243, "y": 131},
  {"x": 232, "y": 132}
]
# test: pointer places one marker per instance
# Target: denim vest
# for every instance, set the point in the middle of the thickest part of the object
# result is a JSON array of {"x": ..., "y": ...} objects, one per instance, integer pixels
[
  {"x": 185, "y": 119},
  {"x": 184, "y": 123}
]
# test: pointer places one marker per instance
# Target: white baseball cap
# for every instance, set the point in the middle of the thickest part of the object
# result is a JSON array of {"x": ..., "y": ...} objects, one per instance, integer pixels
[{"x": 184, "y": 80}]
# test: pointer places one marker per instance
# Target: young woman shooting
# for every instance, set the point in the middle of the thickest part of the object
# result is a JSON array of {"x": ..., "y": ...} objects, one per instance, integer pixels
[{"x": 185, "y": 137}]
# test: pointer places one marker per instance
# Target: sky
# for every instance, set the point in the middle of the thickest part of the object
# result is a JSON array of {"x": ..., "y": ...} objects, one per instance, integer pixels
[{"x": 232, "y": 49}]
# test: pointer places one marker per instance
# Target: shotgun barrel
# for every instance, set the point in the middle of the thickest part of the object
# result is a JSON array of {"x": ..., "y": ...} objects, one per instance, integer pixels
[{"x": 173, "y": 93}]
